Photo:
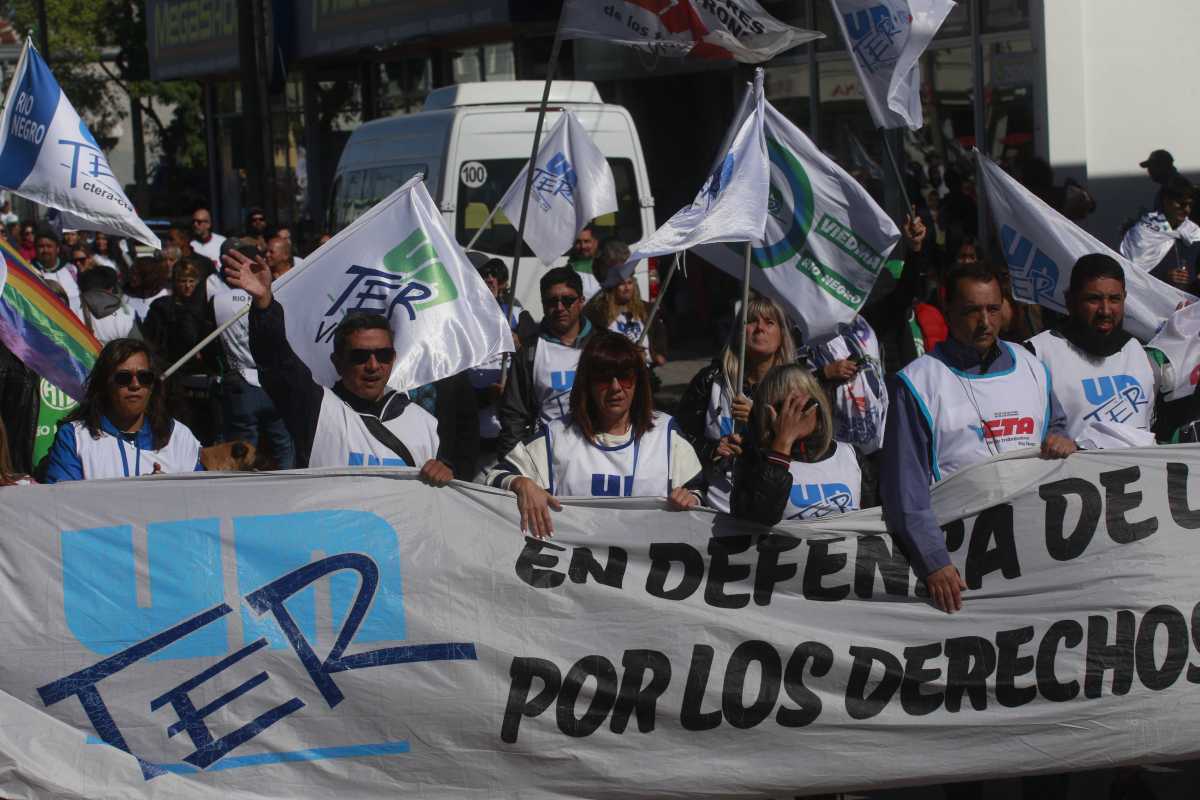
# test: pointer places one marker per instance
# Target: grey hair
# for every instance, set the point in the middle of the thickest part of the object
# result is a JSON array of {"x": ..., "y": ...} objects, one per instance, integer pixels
[{"x": 779, "y": 384}]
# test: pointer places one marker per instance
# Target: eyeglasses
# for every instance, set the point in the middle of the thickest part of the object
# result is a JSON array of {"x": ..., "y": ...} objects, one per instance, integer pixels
[
  {"x": 565, "y": 300},
  {"x": 258, "y": 219},
  {"x": 79, "y": 260},
  {"x": 126, "y": 377},
  {"x": 196, "y": 221},
  {"x": 627, "y": 379},
  {"x": 361, "y": 355}
]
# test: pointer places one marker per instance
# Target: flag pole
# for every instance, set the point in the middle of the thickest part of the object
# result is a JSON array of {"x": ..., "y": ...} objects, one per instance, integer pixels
[
  {"x": 551, "y": 65},
  {"x": 887, "y": 148},
  {"x": 491, "y": 216},
  {"x": 744, "y": 322},
  {"x": 662, "y": 292}
]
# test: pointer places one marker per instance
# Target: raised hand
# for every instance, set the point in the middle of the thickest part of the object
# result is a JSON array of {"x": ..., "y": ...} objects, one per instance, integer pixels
[{"x": 251, "y": 274}]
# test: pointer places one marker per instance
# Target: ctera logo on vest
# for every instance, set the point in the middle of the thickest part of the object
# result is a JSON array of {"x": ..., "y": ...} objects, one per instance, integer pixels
[
  {"x": 826, "y": 498},
  {"x": 175, "y": 606},
  {"x": 1004, "y": 428},
  {"x": 1115, "y": 398},
  {"x": 412, "y": 279}
]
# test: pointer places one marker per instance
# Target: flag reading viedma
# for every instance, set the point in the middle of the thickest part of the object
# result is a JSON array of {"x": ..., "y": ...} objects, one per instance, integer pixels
[
  {"x": 397, "y": 260},
  {"x": 48, "y": 155}
]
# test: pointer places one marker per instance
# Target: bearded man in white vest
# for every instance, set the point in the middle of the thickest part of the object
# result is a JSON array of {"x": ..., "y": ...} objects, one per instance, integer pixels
[
  {"x": 358, "y": 422},
  {"x": 1104, "y": 383},
  {"x": 972, "y": 397}
]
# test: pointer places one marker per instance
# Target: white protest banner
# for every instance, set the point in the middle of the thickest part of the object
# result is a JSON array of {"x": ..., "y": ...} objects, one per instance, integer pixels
[
  {"x": 825, "y": 241},
  {"x": 886, "y": 39},
  {"x": 572, "y": 185},
  {"x": 1179, "y": 341},
  {"x": 397, "y": 260},
  {"x": 48, "y": 155},
  {"x": 732, "y": 204},
  {"x": 1041, "y": 247},
  {"x": 726, "y": 29},
  {"x": 355, "y": 633}
]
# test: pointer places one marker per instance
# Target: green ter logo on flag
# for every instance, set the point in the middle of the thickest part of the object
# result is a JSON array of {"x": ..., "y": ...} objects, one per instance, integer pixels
[{"x": 413, "y": 279}]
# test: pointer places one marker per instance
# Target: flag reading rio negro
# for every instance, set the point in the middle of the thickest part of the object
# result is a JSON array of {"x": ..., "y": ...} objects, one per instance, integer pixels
[
  {"x": 48, "y": 155},
  {"x": 825, "y": 241},
  {"x": 572, "y": 185},
  {"x": 397, "y": 260},
  {"x": 354, "y": 633}
]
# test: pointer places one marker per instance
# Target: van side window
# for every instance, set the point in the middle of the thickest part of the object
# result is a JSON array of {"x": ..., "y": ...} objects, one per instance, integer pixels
[
  {"x": 481, "y": 184},
  {"x": 357, "y": 191}
]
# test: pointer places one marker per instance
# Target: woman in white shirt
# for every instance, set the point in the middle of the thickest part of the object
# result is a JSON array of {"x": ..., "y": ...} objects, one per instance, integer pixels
[{"x": 612, "y": 444}]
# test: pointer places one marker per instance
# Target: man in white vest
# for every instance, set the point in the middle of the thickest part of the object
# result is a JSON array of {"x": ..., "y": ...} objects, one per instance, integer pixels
[
  {"x": 358, "y": 422},
  {"x": 1104, "y": 383},
  {"x": 539, "y": 385},
  {"x": 972, "y": 397}
]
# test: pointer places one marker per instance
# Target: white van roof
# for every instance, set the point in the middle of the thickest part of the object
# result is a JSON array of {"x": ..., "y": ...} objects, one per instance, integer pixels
[{"x": 492, "y": 93}]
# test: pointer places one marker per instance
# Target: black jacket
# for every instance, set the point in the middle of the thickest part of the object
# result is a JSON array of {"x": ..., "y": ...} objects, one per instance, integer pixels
[{"x": 761, "y": 486}]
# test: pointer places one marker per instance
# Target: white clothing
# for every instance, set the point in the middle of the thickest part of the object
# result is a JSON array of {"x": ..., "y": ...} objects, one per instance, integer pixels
[
  {"x": 718, "y": 422},
  {"x": 112, "y": 457},
  {"x": 140, "y": 306},
  {"x": 235, "y": 340},
  {"x": 343, "y": 439},
  {"x": 210, "y": 249},
  {"x": 554, "y": 368},
  {"x": 825, "y": 488}
]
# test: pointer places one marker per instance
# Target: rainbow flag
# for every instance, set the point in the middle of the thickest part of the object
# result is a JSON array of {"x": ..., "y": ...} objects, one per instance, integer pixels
[{"x": 40, "y": 329}]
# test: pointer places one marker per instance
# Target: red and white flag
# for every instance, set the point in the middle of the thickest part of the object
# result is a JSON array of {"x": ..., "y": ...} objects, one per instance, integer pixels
[{"x": 717, "y": 29}]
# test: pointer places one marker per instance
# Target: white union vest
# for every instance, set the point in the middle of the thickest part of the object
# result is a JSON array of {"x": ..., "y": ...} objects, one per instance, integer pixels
[
  {"x": 825, "y": 488},
  {"x": 343, "y": 439},
  {"x": 110, "y": 457},
  {"x": 638, "y": 468},
  {"x": 1117, "y": 390},
  {"x": 974, "y": 417},
  {"x": 236, "y": 338},
  {"x": 718, "y": 422},
  {"x": 554, "y": 368}
]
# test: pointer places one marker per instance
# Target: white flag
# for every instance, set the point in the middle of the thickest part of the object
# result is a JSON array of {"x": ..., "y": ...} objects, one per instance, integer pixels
[
  {"x": 1179, "y": 341},
  {"x": 730, "y": 29},
  {"x": 1147, "y": 243},
  {"x": 732, "y": 204},
  {"x": 826, "y": 240},
  {"x": 572, "y": 185},
  {"x": 398, "y": 260},
  {"x": 48, "y": 155},
  {"x": 886, "y": 39},
  {"x": 1041, "y": 247}
]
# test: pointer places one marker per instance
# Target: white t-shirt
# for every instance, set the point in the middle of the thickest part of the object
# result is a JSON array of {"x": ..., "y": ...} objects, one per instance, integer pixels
[
  {"x": 342, "y": 438},
  {"x": 235, "y": 339},
  {"x": 210, "y": 249}
]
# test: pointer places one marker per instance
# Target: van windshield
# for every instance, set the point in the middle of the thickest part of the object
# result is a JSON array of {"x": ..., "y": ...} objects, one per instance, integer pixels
[
  {"x": 482, "y": 183},
  {"x": 357, "y": 191}
]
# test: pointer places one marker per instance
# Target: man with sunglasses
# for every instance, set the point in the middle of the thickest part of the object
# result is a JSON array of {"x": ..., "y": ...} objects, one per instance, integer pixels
[
  {"x": 206, "y": 243},
  {"x": 539, "y": 385},
  {"x": 358, "y": 422}
]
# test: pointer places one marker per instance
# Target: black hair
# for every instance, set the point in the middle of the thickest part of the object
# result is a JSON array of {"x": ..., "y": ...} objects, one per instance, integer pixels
[
  {"x": 494, "y": 268},
  {"x": 1178, "y": 187},
  {"x": 95, "y": 392},
  {"x": 102, "y": 278},
  {"x": 354, "y": 322},
  {"x": 564, "y": 275},
  {"x": 978, "y": 272},
  {"x": 46, "y": 232},
  {"x": 1093, "y": 266}
]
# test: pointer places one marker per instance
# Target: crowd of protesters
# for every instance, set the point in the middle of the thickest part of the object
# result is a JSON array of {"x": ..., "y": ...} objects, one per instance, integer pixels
[{"x": 942, "y": 369}]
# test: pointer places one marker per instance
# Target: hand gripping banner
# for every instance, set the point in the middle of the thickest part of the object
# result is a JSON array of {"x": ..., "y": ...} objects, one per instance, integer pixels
[{"x": 357, "y": 633}]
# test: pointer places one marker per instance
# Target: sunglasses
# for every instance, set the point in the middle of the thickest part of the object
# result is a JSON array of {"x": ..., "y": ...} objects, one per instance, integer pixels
[
  {"x": 258, "y": 219},
  {"x": 566, "y": 301},
  {"x": 202, "y": 222},
  {"x": 361, "y": 355},
  {"x": 126, "y": 377},
  {"x": 625, "y": 379},
  {"x": 79, "y": 260}
]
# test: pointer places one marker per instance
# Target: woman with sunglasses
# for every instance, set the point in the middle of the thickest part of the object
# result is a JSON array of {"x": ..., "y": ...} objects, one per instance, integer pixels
[
  {"x": 791, "y": 467},
  {"x": 121, "y": 428},
  {"x": 712, "y": 415},
  {"x": 612, "y": 444}
]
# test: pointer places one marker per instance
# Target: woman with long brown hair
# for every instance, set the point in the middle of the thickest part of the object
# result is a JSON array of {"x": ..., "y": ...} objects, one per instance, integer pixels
[
  {"x": 7, "y": 476},
  {"x": 121, "y": 428},
  {"x": 612, "y": 444}
]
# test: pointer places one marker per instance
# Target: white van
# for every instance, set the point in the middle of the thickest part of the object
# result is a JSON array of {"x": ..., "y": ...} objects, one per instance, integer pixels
[{"x": 470, "y": 141}]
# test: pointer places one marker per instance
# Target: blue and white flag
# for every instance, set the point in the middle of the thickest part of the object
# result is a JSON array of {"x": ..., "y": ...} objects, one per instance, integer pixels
[
  {"x": 886, "y": 39},
  {"x": 732, "y": 204},
  {"x": 48, "y": 155},
  {"x": 572, "y": 185},
  {"x": 398, "y": 260},
  {"x": 1041, "y": 247}
]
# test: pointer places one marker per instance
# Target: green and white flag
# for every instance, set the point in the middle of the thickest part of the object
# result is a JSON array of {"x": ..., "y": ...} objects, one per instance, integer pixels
[
  {"x": 826, "y": 240},
  {"x": 397, "y": 260}
]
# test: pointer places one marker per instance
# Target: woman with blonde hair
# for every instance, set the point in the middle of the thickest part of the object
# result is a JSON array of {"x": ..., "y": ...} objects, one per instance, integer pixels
[
  {"x": 712, "y": 415},
  {"x": 618, "y": 307},
  {"x": 791, "y": 467}
]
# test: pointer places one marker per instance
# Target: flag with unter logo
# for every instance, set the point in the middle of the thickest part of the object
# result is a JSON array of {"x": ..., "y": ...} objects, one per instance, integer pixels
[
  {"x": 399, "y": 261},
  {"x": 48, "y": 155}
]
